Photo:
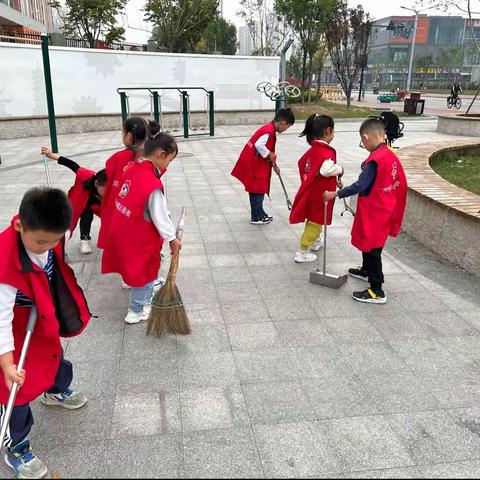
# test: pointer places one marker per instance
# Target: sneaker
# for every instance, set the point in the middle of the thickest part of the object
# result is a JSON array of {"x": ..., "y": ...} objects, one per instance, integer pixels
[
  {"x": 268, "y": 217},
  {"x": 263, "y": 221},
  {"x": 125, "y": 286},
  {"x": 158, "y": 284},
  {"x": 133, "y": 317},
  {"x": 317, "y": 245},
  {"x": 85, "y": 246},
  {"x": 358, "y": 273},
  {"x": 370, "y": 296},
  {"x": 302, "y": 256},
  {"x": 24, "y": 462},
  {"x": 68, "y": 399},
  {"x": 147, "y": 309}
]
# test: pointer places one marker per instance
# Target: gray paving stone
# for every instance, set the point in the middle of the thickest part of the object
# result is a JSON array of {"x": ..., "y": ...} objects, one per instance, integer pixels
[
  {"x": 217, "y": 369},
  {"x": 204, "y": 314},
  {"x": 282, "y": 308},
  {"x": 137, "y": 344},
  {"x": 365, "y": 443},
  {"x": 101, "y": 346},
  {"x": 263, "y": 366},
  {"x": 292, "y": 450},
  {"x": 339, "y": 396},
  {"x": 245, "y": 312},
  {"x": 278, "y": 403},
  {"x": 469, "y": 469},
  {"x": 148, "y": 457},
  {"x": 237, "y": 291},
  {"x": 299, "y": 333},
  {"x": 409, "y": 472},
  {"x": 434, "y": 437},
  {"x": 145, "y": 414},
  {"x": 213, "y": 408},
  {"x": 204, "y": 339},
  {"x": 229, "y": 453},
  {"x": 253, "y": 336},
  {"x": 223, "y": 275},
  {"x": 352, "y": 330},
  {"x": 400, "y": 327}
]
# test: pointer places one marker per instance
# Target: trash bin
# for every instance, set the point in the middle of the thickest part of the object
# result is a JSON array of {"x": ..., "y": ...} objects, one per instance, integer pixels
[
  {"x": 409, "y": 106},
  {"x": 414, "y": 105},
  {"x": 419, "y": 107}
]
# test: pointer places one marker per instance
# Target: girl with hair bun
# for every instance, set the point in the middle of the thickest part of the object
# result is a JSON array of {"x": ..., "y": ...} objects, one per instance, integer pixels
[
  {"x": 140, "y": 223},
  {"x": 319, "y": 173}
]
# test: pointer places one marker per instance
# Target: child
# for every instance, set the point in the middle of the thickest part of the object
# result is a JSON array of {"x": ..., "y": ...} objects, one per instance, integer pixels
[
  {"x": 134, "y": 134},
  {"x": 33, "y": 272},
  {"x": 85, "y": 196},
  {"x": 318, "y": 173},
  {"x": 254, "y": 166},
  {"x": 140, "y": 223},
  {"x": 382, "y": 199}
]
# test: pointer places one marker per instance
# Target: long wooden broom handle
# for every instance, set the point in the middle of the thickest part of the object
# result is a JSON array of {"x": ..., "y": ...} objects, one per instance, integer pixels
[{"x": 181, "y": 224}]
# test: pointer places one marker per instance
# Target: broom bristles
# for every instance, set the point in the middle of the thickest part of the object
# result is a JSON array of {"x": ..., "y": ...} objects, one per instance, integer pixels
[{"x": 168, "y": 314}]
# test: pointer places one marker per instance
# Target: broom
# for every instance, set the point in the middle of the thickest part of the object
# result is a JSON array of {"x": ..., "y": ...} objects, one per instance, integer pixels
[{"x": 168, "y": 314}]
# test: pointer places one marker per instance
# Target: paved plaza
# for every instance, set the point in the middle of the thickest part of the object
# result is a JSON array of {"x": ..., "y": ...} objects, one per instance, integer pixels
[{"x": 280, "y": 377}]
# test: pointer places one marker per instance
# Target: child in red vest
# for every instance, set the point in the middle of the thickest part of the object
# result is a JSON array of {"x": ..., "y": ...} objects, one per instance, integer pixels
[
  {"x": 85, "y": 195},
  {"x": 258, "y": 157},
  {"x": 33, "y": 272},
  {"x": 319, "y": 172},
  {"x": 134, "y": 134},
  {"x": 140, "y": 223},
  {"x": 382, "y": 199}
]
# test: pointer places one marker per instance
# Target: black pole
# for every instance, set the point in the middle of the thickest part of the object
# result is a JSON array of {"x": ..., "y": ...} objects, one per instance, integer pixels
[
  {"x": 49, "y": 93},
  {"x": 364, "y": 59}
]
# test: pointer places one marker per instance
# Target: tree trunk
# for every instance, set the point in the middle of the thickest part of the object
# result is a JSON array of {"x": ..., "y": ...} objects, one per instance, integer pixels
[
  {"x": 349, "y": 93},
  {"x": 310, "y": 65},
  {"x": 319, "y": 73},
  {"x": 304, "y": 69}
]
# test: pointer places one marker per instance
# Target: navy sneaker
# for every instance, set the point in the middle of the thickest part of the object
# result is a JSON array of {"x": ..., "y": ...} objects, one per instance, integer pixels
[
  {"x": 23, "y": 461},
  {"x": 370, "y": 296}
]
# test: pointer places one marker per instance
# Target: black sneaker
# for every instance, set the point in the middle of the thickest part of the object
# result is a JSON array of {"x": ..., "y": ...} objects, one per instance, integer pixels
[
  {"x": 263, "y": 221},
  {"x": 369, "y": 296},
  {"x": 358, "y": 273}
]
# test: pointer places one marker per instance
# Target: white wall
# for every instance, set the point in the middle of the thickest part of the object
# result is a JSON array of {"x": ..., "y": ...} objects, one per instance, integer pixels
[{"x": 85, "y": 80}]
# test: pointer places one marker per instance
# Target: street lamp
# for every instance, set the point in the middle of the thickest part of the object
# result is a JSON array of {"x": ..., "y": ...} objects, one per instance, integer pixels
[{"x": 409, "y": 79}]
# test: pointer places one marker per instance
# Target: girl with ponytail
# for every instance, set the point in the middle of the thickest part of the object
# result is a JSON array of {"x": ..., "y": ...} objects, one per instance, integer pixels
[
  {"x": 134, "y": 134},
  {"x": 319, "y": 173}
]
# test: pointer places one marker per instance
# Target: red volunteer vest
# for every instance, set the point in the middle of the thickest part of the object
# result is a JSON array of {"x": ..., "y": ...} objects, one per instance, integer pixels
[
  {"x": 115, "y": 168},
  {"x": 64, "y": 314},
  {"x": 308, "y": 203},
  {"x": 79, "y": 195},
  {"x": 380, "y": 213},
  {"x": 133, "y": 245},
  {"x": 251, "y": 168}
]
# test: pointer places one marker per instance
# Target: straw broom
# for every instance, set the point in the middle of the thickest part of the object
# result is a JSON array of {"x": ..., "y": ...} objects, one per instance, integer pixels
[{"x": 168, "y": 314}]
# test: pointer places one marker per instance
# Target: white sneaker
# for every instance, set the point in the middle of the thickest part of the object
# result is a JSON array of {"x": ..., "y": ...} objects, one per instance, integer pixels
[
  {"x": 133, "y": 317},
  {"x": 147, "y": 309},
  {"x": 85, "y": 246},
  {"x": 125, "y": 286},
  {"x": 317, "y": 245},
  {"x": 302, "y": 256}
]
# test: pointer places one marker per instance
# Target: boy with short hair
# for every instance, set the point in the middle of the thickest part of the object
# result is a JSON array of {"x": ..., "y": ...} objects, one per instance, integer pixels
[
  {"x": 33, "y": 272},
  {"x": 258, "y": 157},
  {"x": 382, "y": 199}
]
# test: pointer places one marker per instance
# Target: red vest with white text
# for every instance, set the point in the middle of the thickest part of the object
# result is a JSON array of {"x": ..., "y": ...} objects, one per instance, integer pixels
[
  {"x": 380, "y": 213},
  {"x": 133, "y": 246}
]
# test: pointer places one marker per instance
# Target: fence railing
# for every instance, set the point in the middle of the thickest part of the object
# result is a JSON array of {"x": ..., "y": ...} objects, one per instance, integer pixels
[{"x": 19, "y": 37}]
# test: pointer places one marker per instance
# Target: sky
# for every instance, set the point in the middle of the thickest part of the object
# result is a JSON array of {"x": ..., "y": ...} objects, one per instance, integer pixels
[{"x": 376, "y": 8}]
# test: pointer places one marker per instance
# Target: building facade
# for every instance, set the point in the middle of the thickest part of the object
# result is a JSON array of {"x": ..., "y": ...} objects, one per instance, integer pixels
[
  {"x": 26, "y": 16},
  {"x": 245, "y": 41}
]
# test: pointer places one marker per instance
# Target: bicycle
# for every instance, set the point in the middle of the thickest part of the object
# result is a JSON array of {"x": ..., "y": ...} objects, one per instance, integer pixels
[{"x": 454, "y": 102}]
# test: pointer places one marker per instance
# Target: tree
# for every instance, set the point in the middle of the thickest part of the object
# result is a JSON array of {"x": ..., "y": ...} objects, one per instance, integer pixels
[
  {"x": 92, "y": 20},
  {"x": 219, "y": 36},
  {"x": 179, "y": 24},
  {"x": 449, "y": 59},
  {"x": 308, "y": 20},
  {"x": 319, "y": 62},
  {"x": 346, "y": 35},
  {"x": 267, "y": 30},
  {"x": 294, "y": 66}
]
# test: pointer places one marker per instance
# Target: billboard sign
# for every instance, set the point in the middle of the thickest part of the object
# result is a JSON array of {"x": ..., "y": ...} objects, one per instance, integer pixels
[{"x": 404, "y": 35}]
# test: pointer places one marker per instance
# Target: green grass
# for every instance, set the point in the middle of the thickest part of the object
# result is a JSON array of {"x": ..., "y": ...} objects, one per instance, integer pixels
[
  {"x": 462, "y": 168},
  {"x": 335, "y": 110},
  {"x": 446, "y": 91}
]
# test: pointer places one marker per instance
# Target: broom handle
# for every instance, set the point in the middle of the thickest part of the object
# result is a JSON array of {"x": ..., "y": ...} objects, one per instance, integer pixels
[
  {"x": 325, "y": 238},
  {"x": 181, "y": 224},
  {"x": 32, "y": 319},
  {"x": 47, "y": 172},
  {"x": 289, "y": 203}
]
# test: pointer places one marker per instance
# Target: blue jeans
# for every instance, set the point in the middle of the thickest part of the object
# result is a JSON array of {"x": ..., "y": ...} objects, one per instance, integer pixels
[
  {"x": 140, "y": 296},
  {"x": 256, "y": 205}
]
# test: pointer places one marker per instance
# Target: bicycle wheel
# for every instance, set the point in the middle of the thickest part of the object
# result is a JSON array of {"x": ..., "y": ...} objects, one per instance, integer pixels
[
  {"x": 449, "y": 104},
  {"x": 261, "y": 87},
  {"x": 458, "y": 103}
]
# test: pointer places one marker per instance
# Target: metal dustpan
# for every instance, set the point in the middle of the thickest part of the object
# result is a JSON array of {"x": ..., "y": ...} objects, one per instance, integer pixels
[{"x": 321, "y": 277}]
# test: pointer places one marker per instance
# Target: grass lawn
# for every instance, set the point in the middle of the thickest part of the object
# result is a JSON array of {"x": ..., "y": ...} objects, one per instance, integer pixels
[
  {"x": 460, "y": 168},
  {"x": 335, "y": 110},
  {"x": 446, "y": 91}
]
